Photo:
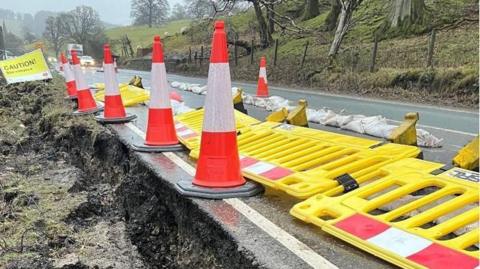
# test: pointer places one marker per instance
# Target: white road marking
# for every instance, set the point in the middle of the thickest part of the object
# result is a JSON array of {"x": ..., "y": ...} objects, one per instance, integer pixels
[
  {"x": 438, "y": 128},
  {"x": 298, "y": 248}
]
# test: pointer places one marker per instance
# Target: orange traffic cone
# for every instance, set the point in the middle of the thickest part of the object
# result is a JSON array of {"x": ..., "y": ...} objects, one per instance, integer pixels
[
  {"x": 86, "y": 103},
  {"x": 218, "y": 172},
  {"x": 161, "y": 134},
  {"x": 262, "y": 86},
  {"x": 69, "y": 77},
  {"x": 60, "y": 63},
  {"x": 113, "y": 111}
]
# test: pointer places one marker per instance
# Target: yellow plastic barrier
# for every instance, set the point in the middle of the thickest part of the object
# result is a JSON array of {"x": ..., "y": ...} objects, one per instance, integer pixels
[
  {"x": 408, "y": 215},
  {"x": 406, "y": 133},
  {"x": 278, "y": 116},
  {"x": 131, "y": 95},
  {"x": 467, "y": 157},
  {"x": 298, "y": 116},
  {"x": 302, "y": 166},
  {"x": 101, "y": 86},
  {"x": 189, "y": 127}
]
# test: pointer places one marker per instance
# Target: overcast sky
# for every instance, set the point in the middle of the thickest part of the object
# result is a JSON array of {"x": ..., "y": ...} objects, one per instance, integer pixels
[{"x": 112, "y": 11}]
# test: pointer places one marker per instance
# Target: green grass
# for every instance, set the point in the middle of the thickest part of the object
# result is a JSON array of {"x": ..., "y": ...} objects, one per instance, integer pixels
[{"x": 143, "y": 35}]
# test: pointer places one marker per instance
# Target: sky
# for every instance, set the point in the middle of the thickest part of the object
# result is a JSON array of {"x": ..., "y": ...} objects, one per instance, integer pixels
[{"x": 111, "y": 11}]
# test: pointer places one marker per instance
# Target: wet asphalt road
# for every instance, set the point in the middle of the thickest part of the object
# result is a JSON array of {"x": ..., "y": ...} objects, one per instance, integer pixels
[{"x": 455, "y": 127}]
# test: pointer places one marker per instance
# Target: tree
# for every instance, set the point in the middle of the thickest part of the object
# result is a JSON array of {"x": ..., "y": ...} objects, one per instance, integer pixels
[
  {"x": 28, "y": 36},
  {"x": 311, "y": 10},
  {"x": 81, "y": 24},
  {"x": 54, "y": 33},
  {"x": 199, "y": 8},
  {"x": 149, "y": 12},
  {"x": 179, "y": 12},
  {"x": 344, "y": 23},
  {"x": 406, "y": 12},
  {"x": 332, "y": 16},
  {"x": 265, "y": 35}
]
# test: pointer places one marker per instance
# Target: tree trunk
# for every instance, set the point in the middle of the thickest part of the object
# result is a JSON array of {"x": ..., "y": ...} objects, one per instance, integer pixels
[
  {"x": 406, "y": 12},
  {"x": 265, "y": 36},
  {"x": 311, "y": 9},
  {"x": 332, "y": 17},
  {"x": 342, "y": 28},
  {"x": 270, "y": 17}
]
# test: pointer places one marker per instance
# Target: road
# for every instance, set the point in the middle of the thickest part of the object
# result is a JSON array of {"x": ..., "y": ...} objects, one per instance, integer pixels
[
  {"x": 456, "y": 127},
  {"x": 262, "y": 224}
]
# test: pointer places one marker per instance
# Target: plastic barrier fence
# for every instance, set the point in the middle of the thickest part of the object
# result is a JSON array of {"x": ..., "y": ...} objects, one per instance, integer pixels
[
  {"x": 131, "y": 95},
  {"x": 409, "y": 217},
  {"x": 312, "y": 162},
  {"x": 189, "y": 127}
]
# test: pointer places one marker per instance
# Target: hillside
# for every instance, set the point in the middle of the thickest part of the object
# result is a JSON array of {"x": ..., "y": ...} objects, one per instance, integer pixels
[{"x": 400, "y": 71}]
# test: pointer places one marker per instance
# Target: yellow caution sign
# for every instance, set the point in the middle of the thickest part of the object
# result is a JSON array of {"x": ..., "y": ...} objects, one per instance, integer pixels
[
  {"x": 28, "y": 67},
  {"x": 467, "y": 157},
  {"x": 406, "y": 214},
  {"x": 406, "y": 133}
]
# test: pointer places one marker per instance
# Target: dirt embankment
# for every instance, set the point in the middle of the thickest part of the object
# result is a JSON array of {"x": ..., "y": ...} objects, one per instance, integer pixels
[{"x": 72, "y": 195}]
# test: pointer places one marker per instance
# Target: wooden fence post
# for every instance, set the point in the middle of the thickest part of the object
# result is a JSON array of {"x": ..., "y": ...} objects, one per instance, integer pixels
[
  {"x": 235, "y": 52},
  {"x": 304, "y": 54},
  {"x": 374, "y": 54},
  {"x": 201, "y": 55},
  {"x": 275, "y": 54},
  {"x": 251, "y": 52},
  {"x": 2, "y": 45},
  {"x": 431, "y": 47},
  {"x": 195, "y": 57},
  {"x": 189, "y": 55}
]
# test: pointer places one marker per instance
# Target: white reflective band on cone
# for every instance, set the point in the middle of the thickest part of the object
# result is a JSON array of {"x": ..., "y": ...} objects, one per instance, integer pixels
[
  {"x": 219, "y": 116},
  {"x": 159, "y": 92},
  {"x": 263, "y": 74},
  {"x": 81, "y": 84},
  {"x": 68, "y": 73},
  {"x": 111, "y": 83}
]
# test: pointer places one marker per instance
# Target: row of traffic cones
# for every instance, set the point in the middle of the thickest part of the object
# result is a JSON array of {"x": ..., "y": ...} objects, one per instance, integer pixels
[{"x": 218, "y": 173}]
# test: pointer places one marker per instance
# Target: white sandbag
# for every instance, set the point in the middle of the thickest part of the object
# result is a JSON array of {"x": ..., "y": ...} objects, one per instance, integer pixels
[
  {"x": 179, "y": 107},
  {"x": 175, "y": 84},
  {"x": 426, "y": 139}
]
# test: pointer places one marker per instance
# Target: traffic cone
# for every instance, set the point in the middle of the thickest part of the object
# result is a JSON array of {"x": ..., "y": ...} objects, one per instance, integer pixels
[
  {"x": 60, "y": 63},
  {"x": 262, "y": 86},
  {"x": 69, "y": 78},
  {"x": 218, "y": 172},
  {"x": 86, "y": 103},
  {"x": 161, "y": 135},
  {"x": 113, "y": 111}
]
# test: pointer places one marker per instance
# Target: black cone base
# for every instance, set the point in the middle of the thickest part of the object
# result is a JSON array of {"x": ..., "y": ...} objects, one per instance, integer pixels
[{"x": 187, "y": 188}]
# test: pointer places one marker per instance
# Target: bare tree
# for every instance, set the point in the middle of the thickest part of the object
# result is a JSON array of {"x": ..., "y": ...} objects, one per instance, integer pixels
[
  {"x": 54, "y": 33},
  {"x": 149, "y": 12},
  {"x": 406, "y": 11},
  {"x": 311, "y": 10},
  {"x": 200, "y": 8},
  {"x": 344, "y": 23},
  {"x": 265, "y": 35},
  {"x": 81, "y": 23},
  {"x": 332, "y": 16}
]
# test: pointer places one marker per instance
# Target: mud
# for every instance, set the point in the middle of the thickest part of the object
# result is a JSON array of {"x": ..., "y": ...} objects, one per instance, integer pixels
[{"x": 74, "y": 196}]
